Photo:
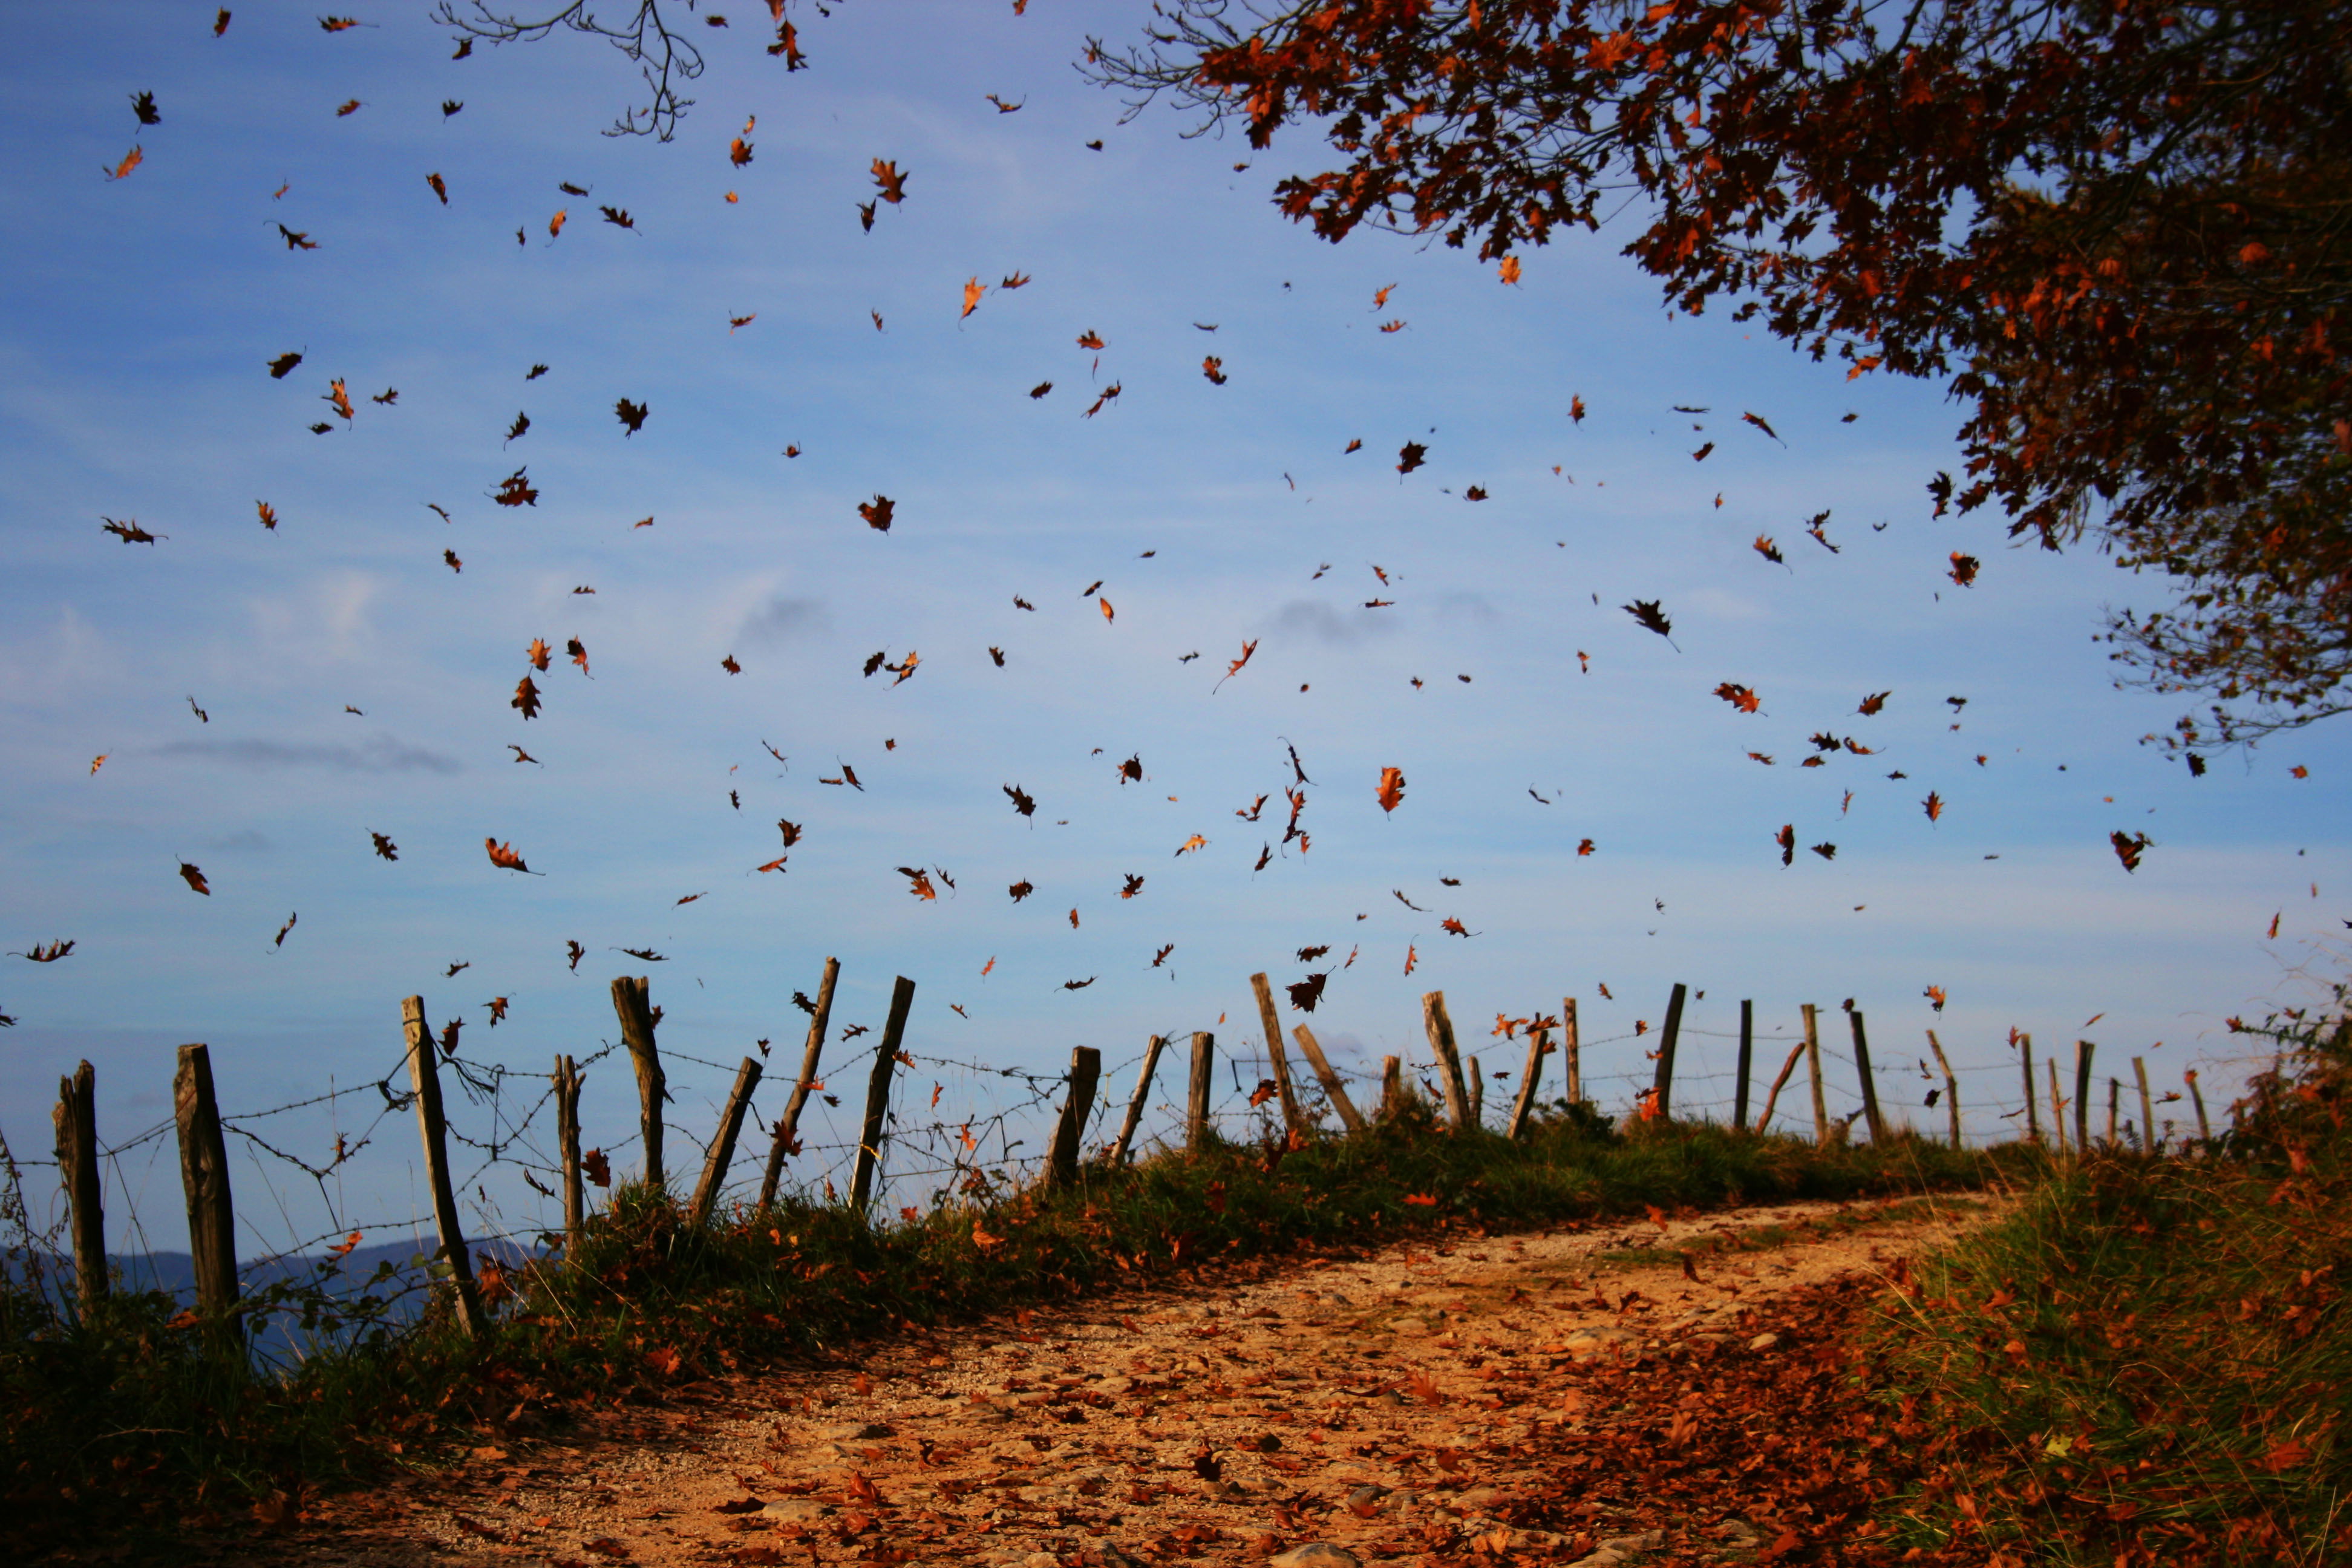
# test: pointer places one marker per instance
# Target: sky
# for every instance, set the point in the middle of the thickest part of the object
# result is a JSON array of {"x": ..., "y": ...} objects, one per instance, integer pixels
[{"x": 267, "y": 698}]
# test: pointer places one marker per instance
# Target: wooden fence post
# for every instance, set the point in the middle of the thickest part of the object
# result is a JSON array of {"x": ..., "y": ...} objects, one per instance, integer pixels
[
  {"x": 1572, "y": 1055},
  {"x": 2114, "y": 1096},
  {"x": 787, "y": 1126},
  {"x": 723, "y": 1147},
  {"x": 1392, "y": 1085},
  {"x": 1774, "y": 1098},
  {"x": 77, "y": 1128},
  {"x": 2057, "y": 1106},
  {"x": 1197, "y": 1090},
  {"x": 2083, "y": 1049},
  {"x": 1439, "y": 1025},
  {"x": 203, "y": 1172},
  {"x": 425, "y": 1077},
  {"x": 2197, "y": 1097},
  {"x": 1667, "y": 1036},
  {"x": 1476, "y": 1082},
  {"x": 1813, "y": 1065},
  {"x": 877, "y": 1093},
  {"x": 1062, "y": 1161},
  {"x": 1740, "y": 1081},
  {"x": 568, "y": 1079},
  {"x": 2032, "y": 1095},
  {"x": 1334, "y": 1088},
  {"x": 2147, "y": 1138},
  {"x": 1293, "y": 1121},
  {"x": 1869, "y": 1079},
  {"x": 1523, "y": 1108},
  {"x": 1951, "y": 1084},
  {"x": 1124, "y": 1150},
  {"x": 631, "y": 1001}
]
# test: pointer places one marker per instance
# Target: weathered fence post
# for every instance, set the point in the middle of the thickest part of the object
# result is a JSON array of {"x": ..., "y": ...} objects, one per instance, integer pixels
[
  {"x": 1951, "y": 1084},
  {"x": 723, "y": 1147},
  {"x": 1740, "y": 1081},
  {"x": 1773, "y": 1098},
  {"x": 877, "y": 1093},
  {"x": 2057, "y": 1107},
  {"x": 203, "y": 1172},
  {"x": 77, "y": 1127},
  {"x": 788, "y": 1125},
  {"x": 1869, "y": 1079},
  {"x": 1476, "y": 1082},
  {"x": 1293, "y": 1121},
  {"x": 1124, "y": 1150},
  {"x": 568, "y": 1079},
  {"x": 1086, "y": 1071},
  {"x": 2032, "y": 1095},
  {"x": 1198, "y": 1088},
  {"x": 1439, "y": 1025},
  {"x": 2147, "y": 1138},
  {"x": 631, "y": 1003},
  {"x": 2083, "y": 1049},
  {"x": 2197, "y": 1097},
  {"x": 425, "y": 1077},
  {"x": 1570, "y": 1053},
  {"x": 1538, "y": 1046},
  {"x": 2114, "y": 1097},
  {"x": 1392, "y": 1085},
  {"x": 1813, "y": 1065},
  {"x": 1667, "y": 1036},
  {"x": 1334, "y": 1090}
]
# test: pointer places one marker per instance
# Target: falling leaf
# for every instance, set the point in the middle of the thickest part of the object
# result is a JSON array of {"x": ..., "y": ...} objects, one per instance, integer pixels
[
  {"x": 889, "y": 181},
  {"x": 194, "y": 879},
  {"x": 1786, "y": 839},
  {"x": 2128, "y": 848},
  {"x": 1215, "y": 369},
  {"x": 878, "y": 513},
  {"x": 1651, "y": 617},
  {"x": 632, "y": 415},
  {"x": 972, "y": 290},
  {"x": 1305, "y": 994},
  {"x": 1390, "y": 793},
  {"x": 526, "y": 699},
  {"x": 1107, "y": 613},
  {"x": 1873, "y": 703},
  {"x": 1934, "y": 806},
  {"x": 1234, "y": 668},
  {"x": 283, "y": 364},
  {"x": 739, "y": 152},
  {"x": 1133, "y": 885},
  {"x": 130, "y": 161},
  {"x": 1758, "y": 420},
  {"x": 1740, "y": 697},
  {"x": 1195, "y": 842},
  {"x": 1509, "y": 269},
  {"x": 385, "y": 847},
  {"x": 919, "y": 883},
  {"x": 1770, "y": 550},
  {"x": 538, "y": 653},
  {"x": 1455, "y": 926},
  {"x": 516, "y": 489},
  {"x": 1584, "y": 846},
  {"x": 1964, "y": 569},
  {"x": 1935, "y": 997},
  {"x": 1410, "y": 456},
  {"x": 1079, "y": 984},
  {"x": 503, "y": 856}
]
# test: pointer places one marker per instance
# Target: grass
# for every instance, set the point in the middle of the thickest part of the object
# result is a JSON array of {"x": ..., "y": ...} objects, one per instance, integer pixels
[
  {"x": 2150, "y": 1361},
  {"x": 126, "y": 1417}
]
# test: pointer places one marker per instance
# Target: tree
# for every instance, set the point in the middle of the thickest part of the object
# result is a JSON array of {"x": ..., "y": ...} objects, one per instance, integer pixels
[
  {"x": 2117, "y": 228},
  {"x": 659, "y": 46}
]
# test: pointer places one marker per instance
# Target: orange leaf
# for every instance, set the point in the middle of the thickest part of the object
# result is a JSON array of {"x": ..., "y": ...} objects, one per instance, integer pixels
[
  {"x": 503, "y": 855},
  {"x": 1391, "y": 791}
]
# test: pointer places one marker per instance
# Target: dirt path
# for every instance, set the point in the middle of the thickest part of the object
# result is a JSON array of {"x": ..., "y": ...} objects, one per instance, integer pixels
[{"x": 1505, "y": 1395}]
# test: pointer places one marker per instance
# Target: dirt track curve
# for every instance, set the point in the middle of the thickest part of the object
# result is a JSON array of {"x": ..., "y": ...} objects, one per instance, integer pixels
[{"x": 1438, "y": 1397}]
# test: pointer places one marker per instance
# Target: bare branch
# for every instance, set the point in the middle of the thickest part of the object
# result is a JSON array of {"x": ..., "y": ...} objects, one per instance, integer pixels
[{"x": 664, "y": 55}]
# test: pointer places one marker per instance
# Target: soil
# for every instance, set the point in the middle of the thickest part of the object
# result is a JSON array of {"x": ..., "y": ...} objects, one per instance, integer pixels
[{"x": 1677, "y": 1389}]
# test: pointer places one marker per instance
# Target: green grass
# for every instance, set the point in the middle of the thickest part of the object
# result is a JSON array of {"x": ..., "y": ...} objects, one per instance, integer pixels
[
  {"x": 2150, "y": 1361},
  {"x": 126, "y": 1417}
]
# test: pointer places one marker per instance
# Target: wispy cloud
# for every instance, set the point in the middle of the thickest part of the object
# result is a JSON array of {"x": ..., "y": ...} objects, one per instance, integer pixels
[
  {"x": 782, "y": 619},
  {"x": 378, "y": 754}
]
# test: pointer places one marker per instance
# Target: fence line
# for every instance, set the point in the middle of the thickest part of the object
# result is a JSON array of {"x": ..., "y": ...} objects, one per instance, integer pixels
[{"x": 992, "y": 1139}]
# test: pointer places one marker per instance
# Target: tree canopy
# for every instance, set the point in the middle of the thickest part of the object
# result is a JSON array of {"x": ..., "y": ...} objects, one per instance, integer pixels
[{"x": 2117, "y": 230}]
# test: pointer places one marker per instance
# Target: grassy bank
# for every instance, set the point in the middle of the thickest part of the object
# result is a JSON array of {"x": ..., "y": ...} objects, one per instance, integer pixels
[
  {"x": 126, "y": 1415},
  {"x": 2150, "y": 1362}
]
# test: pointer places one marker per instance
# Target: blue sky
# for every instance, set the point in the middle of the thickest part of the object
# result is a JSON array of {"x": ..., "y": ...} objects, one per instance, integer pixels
[{"x": 141, "y": 314}]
